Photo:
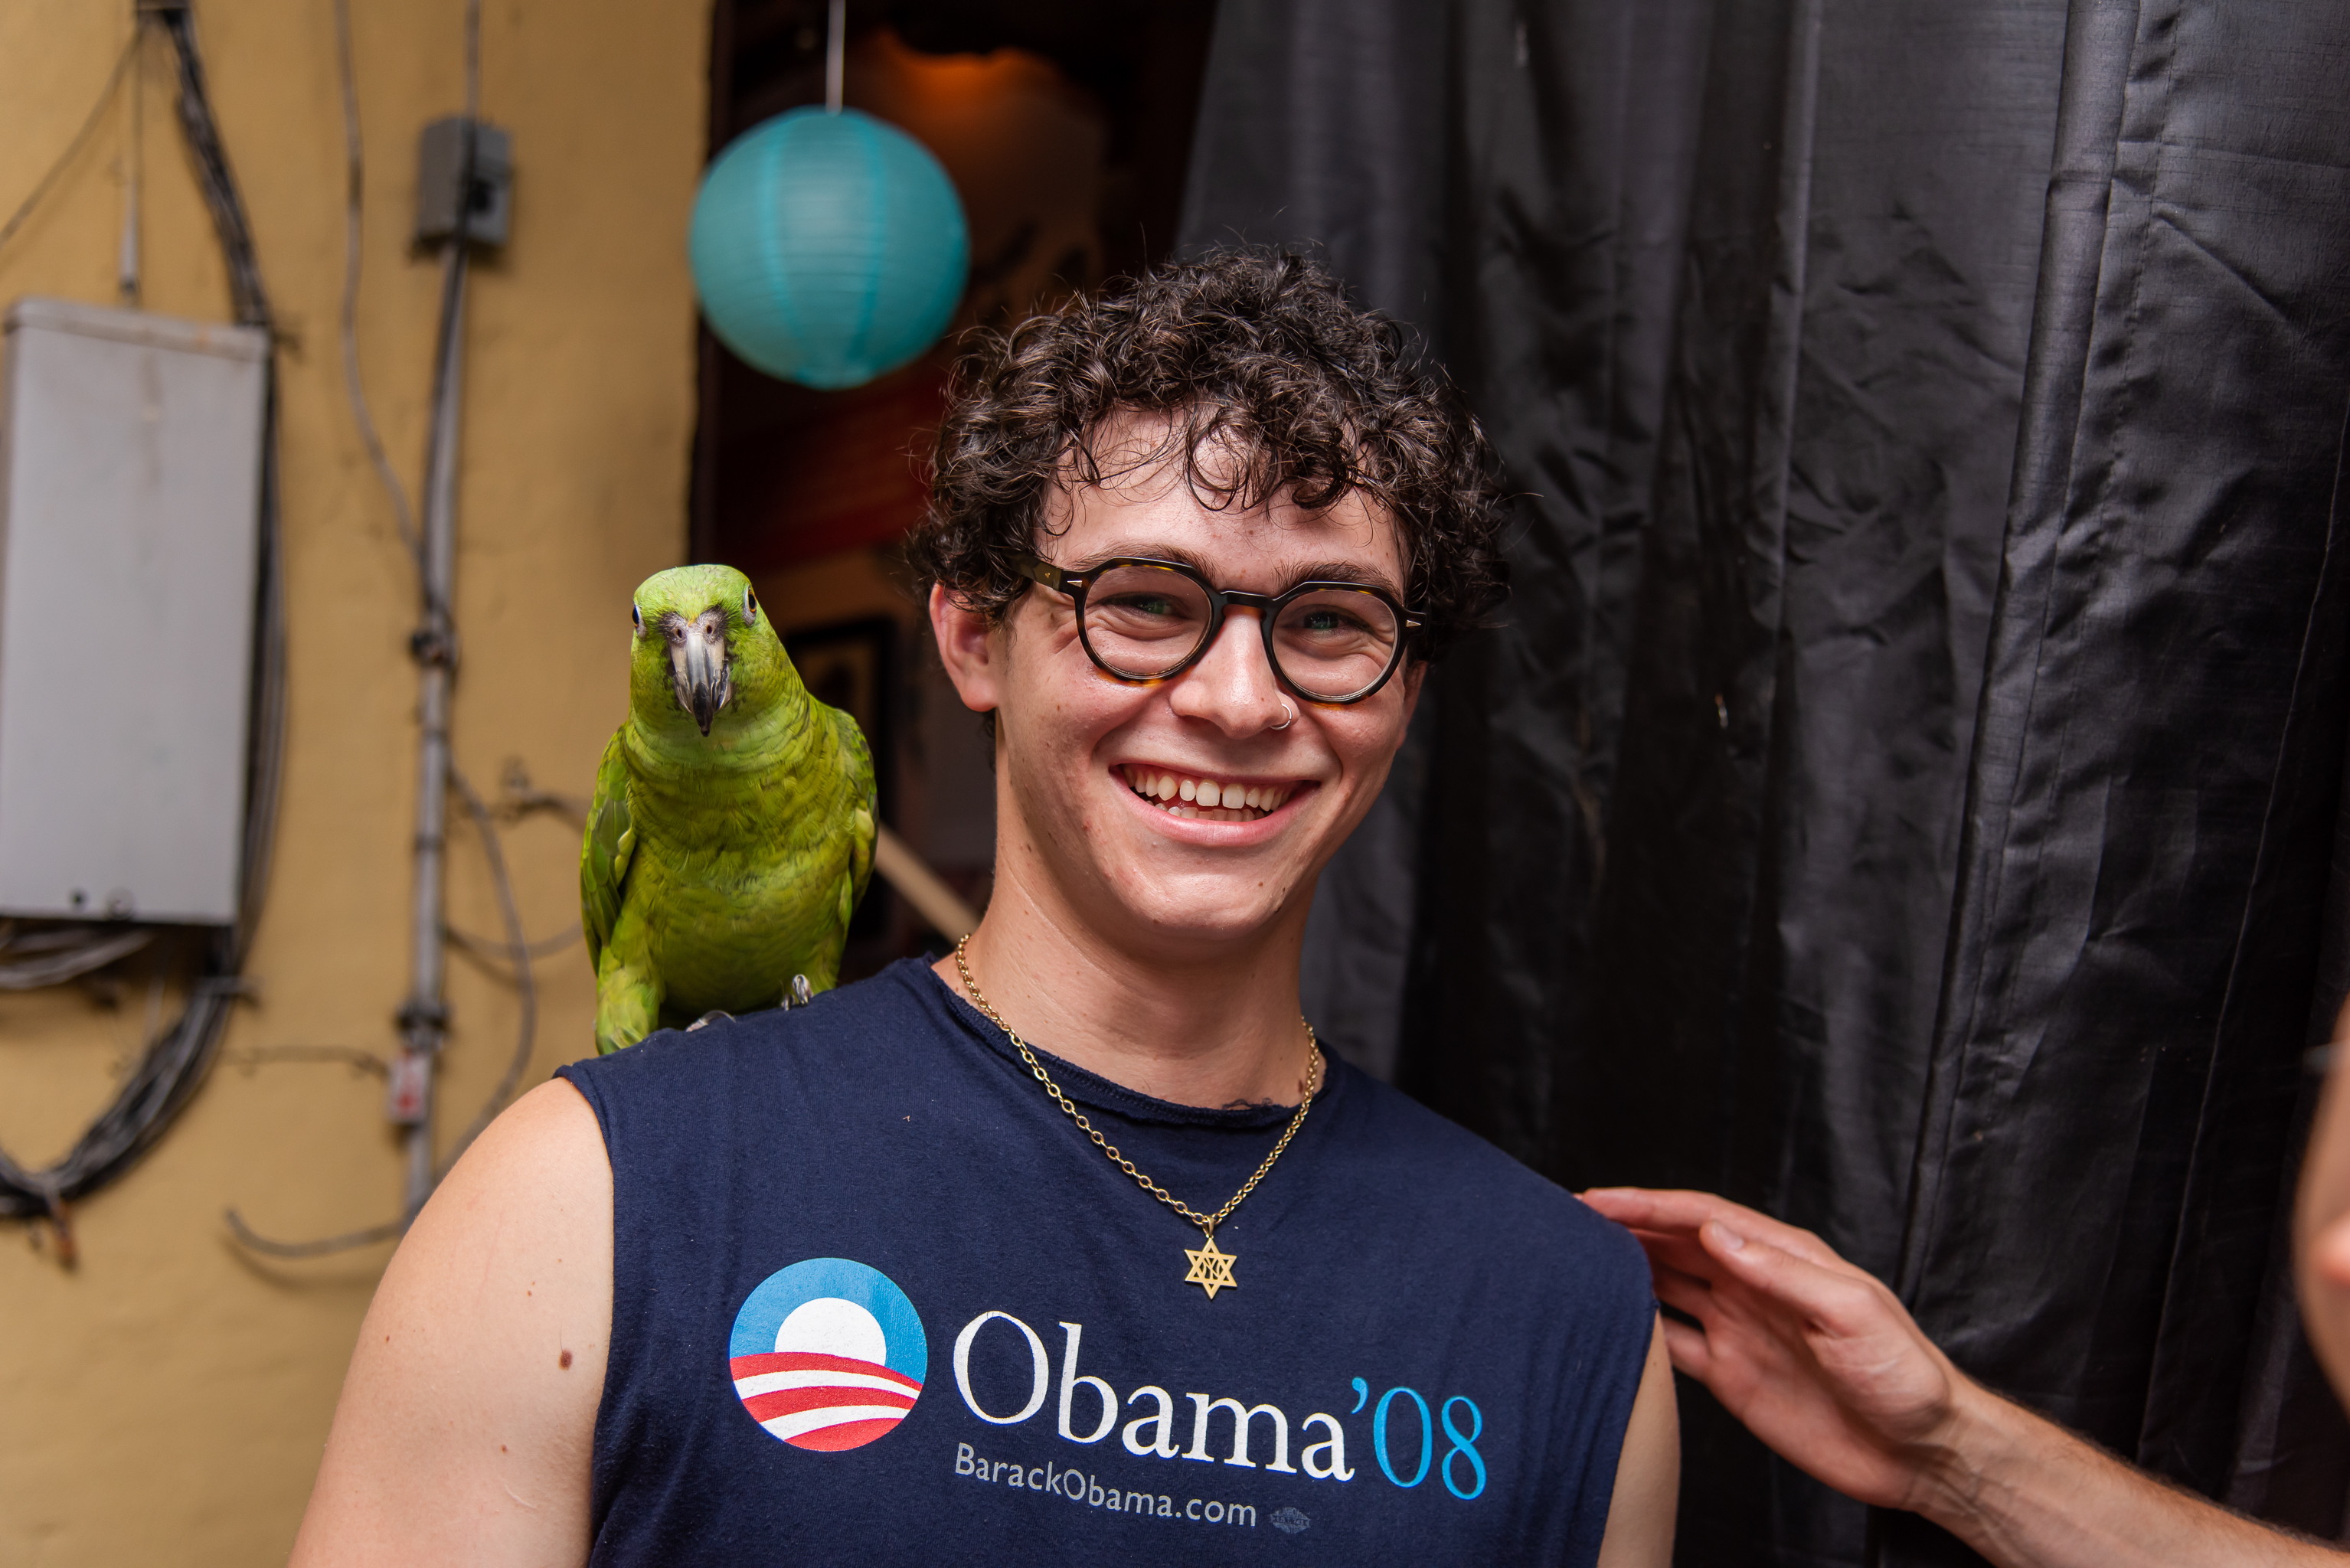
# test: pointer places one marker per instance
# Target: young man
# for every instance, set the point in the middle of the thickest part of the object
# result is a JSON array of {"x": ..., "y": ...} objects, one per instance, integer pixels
[{"x": 1072, "y": 1246}]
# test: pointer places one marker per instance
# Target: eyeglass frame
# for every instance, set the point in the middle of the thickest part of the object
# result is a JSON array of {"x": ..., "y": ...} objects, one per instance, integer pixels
[{"x": 1267, "y": 605}]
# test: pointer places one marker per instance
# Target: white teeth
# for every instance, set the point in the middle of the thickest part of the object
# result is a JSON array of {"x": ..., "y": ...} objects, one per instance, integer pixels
[{"x": 1210, "y": 800}]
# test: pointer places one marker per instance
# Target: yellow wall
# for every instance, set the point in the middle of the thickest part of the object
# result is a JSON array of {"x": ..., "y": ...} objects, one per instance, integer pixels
[{"x": 165, "y": 1403}]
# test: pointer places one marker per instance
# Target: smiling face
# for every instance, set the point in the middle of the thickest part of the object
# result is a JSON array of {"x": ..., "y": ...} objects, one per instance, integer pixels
[{"x": 1190, "y": 814}]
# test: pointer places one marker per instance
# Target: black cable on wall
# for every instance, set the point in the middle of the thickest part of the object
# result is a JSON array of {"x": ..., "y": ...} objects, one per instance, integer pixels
[{"x": 175, "y": 1063}]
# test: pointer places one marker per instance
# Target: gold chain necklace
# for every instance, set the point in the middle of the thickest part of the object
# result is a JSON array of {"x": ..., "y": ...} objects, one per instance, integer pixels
[{"x": 1211, "y": 1270}]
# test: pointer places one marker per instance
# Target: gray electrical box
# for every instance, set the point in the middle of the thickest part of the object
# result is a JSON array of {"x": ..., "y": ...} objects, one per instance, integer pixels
[
  {"x": 129, "y": 507},
  {"x": 443, "y": 202}
]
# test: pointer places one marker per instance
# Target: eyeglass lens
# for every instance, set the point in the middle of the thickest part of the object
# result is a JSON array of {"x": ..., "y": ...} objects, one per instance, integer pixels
[{"x": 1144, "y": 622}]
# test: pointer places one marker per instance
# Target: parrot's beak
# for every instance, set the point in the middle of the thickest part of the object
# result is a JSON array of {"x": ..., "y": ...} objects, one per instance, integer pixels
[{"x": 697, "y": 664}]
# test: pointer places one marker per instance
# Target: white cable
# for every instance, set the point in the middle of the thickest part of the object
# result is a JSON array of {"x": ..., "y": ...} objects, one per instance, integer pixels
[
  {"x": 836, "y": 55},
  {"x": 97, "y": 112},
  {"x": 354, "y": 386}
]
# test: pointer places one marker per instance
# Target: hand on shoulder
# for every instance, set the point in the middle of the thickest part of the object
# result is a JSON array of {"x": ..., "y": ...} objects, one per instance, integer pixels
[
  {"x": 1813, "y": 1354},
  {"x": 1822, "y": 1363}
]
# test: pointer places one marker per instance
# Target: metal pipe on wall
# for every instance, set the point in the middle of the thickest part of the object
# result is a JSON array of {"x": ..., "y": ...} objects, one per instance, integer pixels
[{"x": 424, "y": 1015}]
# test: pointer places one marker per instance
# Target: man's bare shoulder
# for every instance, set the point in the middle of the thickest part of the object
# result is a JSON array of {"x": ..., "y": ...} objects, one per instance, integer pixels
[
  {"x": 550, "y": 1132},
  {"x": 466, "y": 1425}
]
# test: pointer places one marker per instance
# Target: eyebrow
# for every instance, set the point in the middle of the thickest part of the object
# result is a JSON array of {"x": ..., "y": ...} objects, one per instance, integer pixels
[{"x": 1331, "y": 571}]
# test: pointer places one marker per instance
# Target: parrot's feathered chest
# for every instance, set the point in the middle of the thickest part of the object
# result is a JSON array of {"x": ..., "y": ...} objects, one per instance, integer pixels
[{"x": 716, "y": 870}]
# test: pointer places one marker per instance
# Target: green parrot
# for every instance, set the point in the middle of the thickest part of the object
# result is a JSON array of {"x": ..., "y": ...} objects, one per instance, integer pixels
[{"x": 731, "y": 832}]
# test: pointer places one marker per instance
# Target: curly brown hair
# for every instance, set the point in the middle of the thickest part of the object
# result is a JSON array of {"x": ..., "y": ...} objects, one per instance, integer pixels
[{"x": 1271, "y": 380}]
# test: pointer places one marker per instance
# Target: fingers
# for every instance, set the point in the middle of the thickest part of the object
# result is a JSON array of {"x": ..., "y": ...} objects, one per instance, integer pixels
[
  {"x": 1683, "y": 1294},
  {"x": 1660, "y": 1209},
  {"x": 1689, "y": 1351},
  {"x": 1703, "y": 1258},
  {"x": 1672, "y": 1249},
  {"x": 1667, "y": 1212},
  {"x": 1840, "y": 1299},
  {"x": 1689, "y": 1270}
]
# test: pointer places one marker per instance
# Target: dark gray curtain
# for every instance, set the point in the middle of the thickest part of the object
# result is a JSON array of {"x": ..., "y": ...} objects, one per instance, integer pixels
[{"x": 1904, "y": 797}]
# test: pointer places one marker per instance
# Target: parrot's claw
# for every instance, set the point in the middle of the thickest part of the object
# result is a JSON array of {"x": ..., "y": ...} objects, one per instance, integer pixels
[
  {"x": 801, "y": 993},
  {"x": 709, "y": 1018}
]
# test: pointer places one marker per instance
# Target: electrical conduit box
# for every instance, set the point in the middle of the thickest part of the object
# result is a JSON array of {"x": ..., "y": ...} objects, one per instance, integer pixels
[{"x": 130, "y": 506}]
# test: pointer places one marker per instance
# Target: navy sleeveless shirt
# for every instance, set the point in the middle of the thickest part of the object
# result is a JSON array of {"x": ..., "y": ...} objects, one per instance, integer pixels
[{"x": 877, "y": 1299}]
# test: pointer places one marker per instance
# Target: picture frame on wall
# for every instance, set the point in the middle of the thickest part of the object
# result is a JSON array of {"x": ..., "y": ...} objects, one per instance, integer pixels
[{"x": 853, "y": 665}]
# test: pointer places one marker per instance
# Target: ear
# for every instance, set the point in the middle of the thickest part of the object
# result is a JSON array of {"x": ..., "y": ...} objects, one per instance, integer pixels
[{"x": 969, "y": 647}]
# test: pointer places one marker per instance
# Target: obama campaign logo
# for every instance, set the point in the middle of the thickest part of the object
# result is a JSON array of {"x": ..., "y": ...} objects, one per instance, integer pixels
[{"x": 827, "y": 1354}]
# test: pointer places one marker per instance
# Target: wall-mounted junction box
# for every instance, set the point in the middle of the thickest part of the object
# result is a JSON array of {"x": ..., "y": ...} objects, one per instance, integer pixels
[
  {"x": 130, "y": 501},
  {"x": 441, "y": 191}
]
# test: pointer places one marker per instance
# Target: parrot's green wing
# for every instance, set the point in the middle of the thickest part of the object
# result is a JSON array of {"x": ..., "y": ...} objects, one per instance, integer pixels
[
  {"x": 603, "y": 855},
  {"x": 857, "y": 766}
]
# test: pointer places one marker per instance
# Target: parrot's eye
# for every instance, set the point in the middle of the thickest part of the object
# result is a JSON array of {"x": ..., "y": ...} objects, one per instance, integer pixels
[
  {"x": 750, "y": 607},
  {"x": 637, "y": 618}
]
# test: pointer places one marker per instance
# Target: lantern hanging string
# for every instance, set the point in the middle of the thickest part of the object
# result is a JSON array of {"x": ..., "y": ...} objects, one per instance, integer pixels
[{"x": 836, "y": 55}]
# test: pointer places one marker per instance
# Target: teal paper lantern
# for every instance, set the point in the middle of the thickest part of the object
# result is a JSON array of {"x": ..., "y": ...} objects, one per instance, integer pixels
[{"x": 827, "y": 248}]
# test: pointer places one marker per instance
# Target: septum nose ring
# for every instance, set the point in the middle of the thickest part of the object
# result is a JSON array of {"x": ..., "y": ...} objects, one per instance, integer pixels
[{"x": 1288, "y": 716}]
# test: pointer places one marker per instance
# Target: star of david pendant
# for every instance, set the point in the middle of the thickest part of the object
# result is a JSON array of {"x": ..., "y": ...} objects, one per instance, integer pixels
[{"x": 1212, "y": 1271}]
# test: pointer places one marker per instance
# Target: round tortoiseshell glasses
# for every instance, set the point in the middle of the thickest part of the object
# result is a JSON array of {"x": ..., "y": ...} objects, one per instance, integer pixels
[{"x": 1143, "y": 619}]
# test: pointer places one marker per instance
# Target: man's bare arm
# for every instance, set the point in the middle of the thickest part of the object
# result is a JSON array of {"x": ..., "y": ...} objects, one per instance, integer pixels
[
  {"x": 467, "y": 1420},
  {"x": 1647, "y": 1472},
  {"x": 1822, "y": 1363}
]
